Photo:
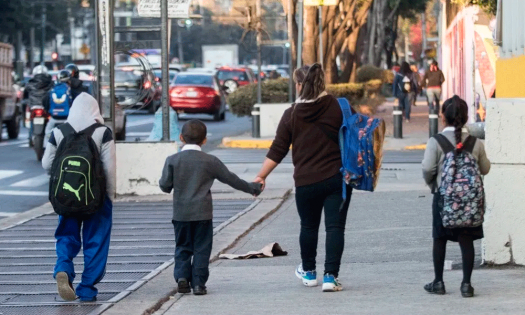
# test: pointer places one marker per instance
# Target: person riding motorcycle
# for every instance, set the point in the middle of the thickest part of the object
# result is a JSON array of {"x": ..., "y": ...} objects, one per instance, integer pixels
[
  {"x": 75, "y": 83},
  {"x": 58, "y": 102},
  {"x": 36, "y": 89}
]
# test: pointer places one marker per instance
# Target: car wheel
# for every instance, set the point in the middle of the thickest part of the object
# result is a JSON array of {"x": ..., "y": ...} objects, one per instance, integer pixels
[
  {"x": 152, "y": 107},
  {"x": 217, "y": 116},
  {"x": 223, "y": 116},
  {"x": 232, "y": 86},
  {"x": 13, "y": 126}
]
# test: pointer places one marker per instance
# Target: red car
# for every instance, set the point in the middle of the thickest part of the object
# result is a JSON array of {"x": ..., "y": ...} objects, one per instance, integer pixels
[
  {"x": 232, "y": 78},
  {"x": 198, "y": 93}
]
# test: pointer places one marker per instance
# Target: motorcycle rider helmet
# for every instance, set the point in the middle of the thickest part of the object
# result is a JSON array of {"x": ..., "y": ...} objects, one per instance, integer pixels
[
  {"x": 73, "y": 69},
  {"x": 40, "y": 69},
  {"x": 64, "y": 75}
]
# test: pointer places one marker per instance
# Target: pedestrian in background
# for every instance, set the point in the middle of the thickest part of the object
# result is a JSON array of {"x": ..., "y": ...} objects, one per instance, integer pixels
[
  {"x": 455, "y": 116},
  {"x": 417, "y": 78},
  {"x": 190, "y": 175},
  {"x": 433, "y": 80},
  {"x": 309, "y": 126},
  {"x": 95, "y": 229},
  {"x": 405, "y": 88}
]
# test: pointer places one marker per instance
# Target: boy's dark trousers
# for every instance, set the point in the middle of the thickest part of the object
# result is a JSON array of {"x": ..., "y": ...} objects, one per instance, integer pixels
[{"x": 193, "y": 239}]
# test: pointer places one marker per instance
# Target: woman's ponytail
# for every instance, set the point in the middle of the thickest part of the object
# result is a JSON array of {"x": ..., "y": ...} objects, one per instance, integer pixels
[
  {"x": 313, "y": 84},
  {"x": 455, "y": 111}
]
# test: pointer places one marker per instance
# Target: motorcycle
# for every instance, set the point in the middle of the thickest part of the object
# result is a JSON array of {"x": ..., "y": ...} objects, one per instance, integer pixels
[{"x": 39, "y": 119}]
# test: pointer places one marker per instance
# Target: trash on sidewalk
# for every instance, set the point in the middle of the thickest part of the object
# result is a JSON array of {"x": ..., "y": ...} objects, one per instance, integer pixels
[{"x": 270, "y": 250}]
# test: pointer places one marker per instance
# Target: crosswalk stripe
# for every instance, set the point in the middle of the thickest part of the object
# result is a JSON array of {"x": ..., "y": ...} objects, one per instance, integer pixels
[
  {"x": 33, "y": 182},
  {"x": 23, "y": 193},
  {"x": 16, "y": 142},
  {"x": 7, "y": 214},
  {"x": 7, "y": 174}
]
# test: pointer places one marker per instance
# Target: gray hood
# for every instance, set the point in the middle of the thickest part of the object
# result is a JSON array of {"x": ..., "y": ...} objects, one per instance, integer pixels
[{"x": 84, "y": 112}]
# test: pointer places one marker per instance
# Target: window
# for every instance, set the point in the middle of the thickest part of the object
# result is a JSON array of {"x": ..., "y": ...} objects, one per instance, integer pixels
[
  {"x": 194, "y": 80},
  {"x": 233, "y": 75}
]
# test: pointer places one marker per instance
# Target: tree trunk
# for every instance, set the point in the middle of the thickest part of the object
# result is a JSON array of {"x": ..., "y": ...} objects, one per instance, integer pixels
[
  {"x": 295, "y": 31},
  {"x": 310, "y": 36}
]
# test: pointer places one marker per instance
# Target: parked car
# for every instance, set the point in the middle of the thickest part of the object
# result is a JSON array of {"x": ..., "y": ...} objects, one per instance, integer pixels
[
  {"x": 198, "y": 93},
  {"x": 10, "y": 114},
  {"x": 232, "y": 78}
]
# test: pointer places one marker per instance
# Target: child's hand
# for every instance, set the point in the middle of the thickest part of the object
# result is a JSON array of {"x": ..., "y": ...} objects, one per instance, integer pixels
[{"x": 258, "y": 188}]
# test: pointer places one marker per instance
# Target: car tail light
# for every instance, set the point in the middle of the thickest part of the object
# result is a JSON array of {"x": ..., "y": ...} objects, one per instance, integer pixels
[
  {"x": 175, "y": 92},
  {"x": 147, "y": 84},
  {"x": 210, "y": 93}
]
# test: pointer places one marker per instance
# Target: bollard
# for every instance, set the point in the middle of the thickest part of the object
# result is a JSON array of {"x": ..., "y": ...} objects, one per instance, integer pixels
[
  {"x": 433, "y": 116},
  {"x": 256, "y": 122},
  {"x": 398, "y": 122}
]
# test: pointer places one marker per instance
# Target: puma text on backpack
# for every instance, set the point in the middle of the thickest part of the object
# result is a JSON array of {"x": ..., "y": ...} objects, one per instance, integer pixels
[
  {"x": 60, "y": 101},
  {"x": 361, "y": 143},
  {"x": 461, "y": 189},
  {"x": 77, "y": 186}
]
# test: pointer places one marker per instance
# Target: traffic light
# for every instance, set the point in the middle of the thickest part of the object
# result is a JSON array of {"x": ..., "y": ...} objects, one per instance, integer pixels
[{"x": 54, "y": 56}]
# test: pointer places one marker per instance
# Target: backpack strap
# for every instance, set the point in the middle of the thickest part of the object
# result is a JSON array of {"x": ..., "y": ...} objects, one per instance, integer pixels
[
  {"x": 91, "y": 129},
  {"x": 443, "y": 142},
  {"x": 66, "y": 129},
  {"x": 469, "y": 143},
  {"x": 345, "y": 107}
]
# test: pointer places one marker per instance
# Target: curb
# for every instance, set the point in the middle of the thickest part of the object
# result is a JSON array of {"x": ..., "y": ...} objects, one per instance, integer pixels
[
  {"x": 247, "y": 143},
  {"x": 26, "y": 216},
  {"x": 416, "y": 147}
]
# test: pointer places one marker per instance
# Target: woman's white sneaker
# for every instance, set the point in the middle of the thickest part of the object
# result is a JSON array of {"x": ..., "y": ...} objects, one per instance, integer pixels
[
  {"x": 331, "y": 284},
  {"x": 309, "y": 278}
]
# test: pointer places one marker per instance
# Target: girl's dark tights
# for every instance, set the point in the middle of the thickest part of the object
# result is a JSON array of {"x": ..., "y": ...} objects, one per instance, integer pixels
[{"x": 466, "y": 243}]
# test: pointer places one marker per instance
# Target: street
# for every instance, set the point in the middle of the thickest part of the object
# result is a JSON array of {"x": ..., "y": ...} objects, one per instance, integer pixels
[{"x": 23, "y": 182}]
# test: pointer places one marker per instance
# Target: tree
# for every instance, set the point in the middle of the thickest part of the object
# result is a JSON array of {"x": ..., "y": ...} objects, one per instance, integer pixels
[
  {"x": 489, "y": 6},
  {"x": 341, "y": 26}
]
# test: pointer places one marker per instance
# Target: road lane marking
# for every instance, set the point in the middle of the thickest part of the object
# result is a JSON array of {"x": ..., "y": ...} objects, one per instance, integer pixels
[
  {"x": 23, "y": 193},
  {"x": 33, "y": 182},
  {"x": 6, "y": 174},
  {"x": 7, "y": 214},
  {"x": 17, "y": 142}
]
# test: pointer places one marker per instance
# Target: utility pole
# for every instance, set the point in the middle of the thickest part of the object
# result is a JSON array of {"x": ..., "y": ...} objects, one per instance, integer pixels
[
  {"x": 258, "y": 12},
  {"x": 165, "y": 71},
  {"x": 32, "y": 47},
  {"x": 290, "y": 41},
  {"x": 43, "y": 43},
  {"x": 179, "y": 44},
  {"x": 424, "y": 37},
  {"x": 300, "y": 8},
  {"x": 71, "y": 31},
  {"x": 320, "y": 9}
]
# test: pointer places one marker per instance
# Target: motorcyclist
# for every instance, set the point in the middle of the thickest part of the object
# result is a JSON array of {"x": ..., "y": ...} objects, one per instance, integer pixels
[
  {"x": 57, "y": 102},
  {"x": 36, "y": 89},
  {"x": 75, "y": 83}
]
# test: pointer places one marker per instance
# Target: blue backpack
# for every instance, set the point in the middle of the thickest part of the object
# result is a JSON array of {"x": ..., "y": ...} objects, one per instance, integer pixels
[
  {"x": 361, "y": 143},
  {"x": 60, "y": 101}
]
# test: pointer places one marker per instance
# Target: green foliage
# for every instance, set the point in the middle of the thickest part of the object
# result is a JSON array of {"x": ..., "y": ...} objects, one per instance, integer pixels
[
  {"x": 367, "y": 73},
  {"x": 489, "y": 6},
  {"x": 276, "y": 91},
  {"x": 409, "y": 9}
]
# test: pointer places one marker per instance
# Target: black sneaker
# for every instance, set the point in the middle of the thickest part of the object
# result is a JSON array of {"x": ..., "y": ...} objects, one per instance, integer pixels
[
  {"x": 436, "y": 288},
  {"x": 200, "y": 290},
  {"x": 183, "y": 286},
  {"x": 467, "y": 290}
]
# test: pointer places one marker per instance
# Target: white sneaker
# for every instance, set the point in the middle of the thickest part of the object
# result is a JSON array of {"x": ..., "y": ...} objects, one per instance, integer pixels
[
  {"x": 331, "y": 284},
  {"x": 309, "y": 278}
]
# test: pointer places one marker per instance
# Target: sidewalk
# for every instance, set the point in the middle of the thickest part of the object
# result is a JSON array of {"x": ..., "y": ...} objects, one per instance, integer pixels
[
  {"x": 415, "y": 133},
  {"x": 386, "y": 262}
]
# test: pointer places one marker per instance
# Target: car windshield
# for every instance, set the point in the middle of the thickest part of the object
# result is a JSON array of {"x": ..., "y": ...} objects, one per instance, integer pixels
[
  {"x": 158, "y": 74},
  {"x": 194, "y": 80},
  {"x": 232, "y": 75},
  {"x": 124, "y": 76}
]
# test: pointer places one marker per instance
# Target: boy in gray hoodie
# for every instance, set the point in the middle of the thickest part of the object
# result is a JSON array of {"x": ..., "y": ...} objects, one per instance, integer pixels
[
  {"x": 95, "y": 229},
  {"x": 190, "y": 175}
]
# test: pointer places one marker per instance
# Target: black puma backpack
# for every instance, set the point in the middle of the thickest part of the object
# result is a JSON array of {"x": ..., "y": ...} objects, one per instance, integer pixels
[{"x": 77, "y": 186}]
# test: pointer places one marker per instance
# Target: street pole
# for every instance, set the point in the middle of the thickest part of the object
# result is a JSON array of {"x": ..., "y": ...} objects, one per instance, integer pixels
[
  {"x": 42, "y": 44},
  {"x": 72, "y": 32},
  {"x": 424, "y": 37},
  {"x": 290, "y": 40},
  {"x": 165, "y": 70},
  {"x": 320, "y": 35},
  {"x": 256, "y": 131},
  {"x": 300, "y": 8},
  {"x": 179, "y": 44},
  {"x": 32, "y": 48},
  {"x": 19, "y": 62}
]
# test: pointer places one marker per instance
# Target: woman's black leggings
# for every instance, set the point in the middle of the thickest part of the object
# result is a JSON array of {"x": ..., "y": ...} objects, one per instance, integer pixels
[
  {"x": 310, "y": 200},
  {"x": 466, "y": 243}
]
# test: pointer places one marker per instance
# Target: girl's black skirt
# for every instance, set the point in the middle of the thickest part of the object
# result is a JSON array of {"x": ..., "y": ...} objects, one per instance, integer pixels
[{"x": 439, "y": 231}]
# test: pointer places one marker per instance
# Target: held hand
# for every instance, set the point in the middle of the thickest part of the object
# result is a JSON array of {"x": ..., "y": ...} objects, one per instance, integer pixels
[{"x": 261, "y": 181}]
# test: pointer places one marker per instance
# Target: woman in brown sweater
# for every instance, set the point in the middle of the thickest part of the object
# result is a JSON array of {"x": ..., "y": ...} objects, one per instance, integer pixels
[{"x": 308, "y": 125}]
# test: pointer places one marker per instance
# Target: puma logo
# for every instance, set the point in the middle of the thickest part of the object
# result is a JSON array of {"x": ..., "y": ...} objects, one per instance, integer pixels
[{"x": 69, "y": 188}]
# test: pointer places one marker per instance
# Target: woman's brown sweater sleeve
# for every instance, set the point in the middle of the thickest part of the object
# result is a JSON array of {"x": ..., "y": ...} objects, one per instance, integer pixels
[{"x": 283, "y": 139}]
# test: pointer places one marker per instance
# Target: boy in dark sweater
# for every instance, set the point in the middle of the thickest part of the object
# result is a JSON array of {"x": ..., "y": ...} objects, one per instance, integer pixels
[{"x": 190, "y": 175}]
